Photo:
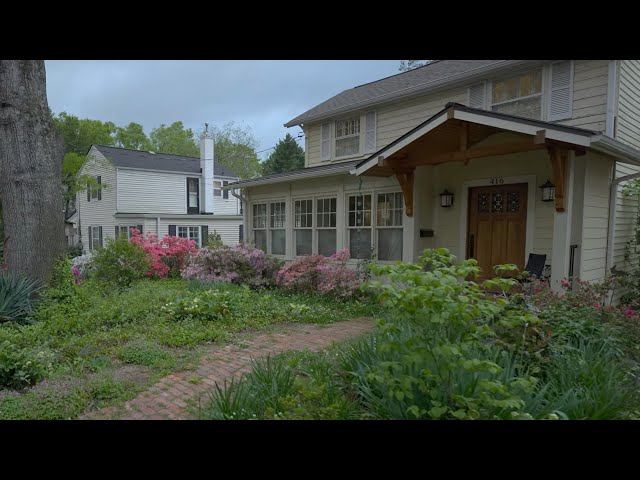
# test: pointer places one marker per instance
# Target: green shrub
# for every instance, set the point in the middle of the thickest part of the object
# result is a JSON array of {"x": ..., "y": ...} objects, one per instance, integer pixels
[
  {"x": 214, "y": 239},
  {"x": 120, "y": 263},
  {"x": 21, "y": 367},
  {"x": 207, "y": 305},
  {"x": 17, "y": 296}
]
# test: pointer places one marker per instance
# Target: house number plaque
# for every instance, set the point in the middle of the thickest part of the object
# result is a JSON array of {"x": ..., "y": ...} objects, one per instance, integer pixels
[{"x": 496, "y": 181}]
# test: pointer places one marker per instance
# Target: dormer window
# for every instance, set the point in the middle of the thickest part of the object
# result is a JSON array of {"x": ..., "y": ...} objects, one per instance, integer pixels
[
  {"x": 348, "y": 137},
  {"x": 519, "y": 95}
]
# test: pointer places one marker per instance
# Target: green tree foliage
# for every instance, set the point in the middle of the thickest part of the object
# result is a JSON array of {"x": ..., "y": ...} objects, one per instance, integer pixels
[
  {"x": 132, "y": 136},
  {"x": 287, "y": 156},
  {"x": 406, "y": 65},
  {"x": 79, "y": 135},
  {"x": 174, "y": 139},
  {"x": 235, "y": 148}
]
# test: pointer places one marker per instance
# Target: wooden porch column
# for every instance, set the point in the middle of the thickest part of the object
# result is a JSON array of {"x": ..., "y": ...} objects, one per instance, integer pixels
[
  {"x": 562, "y": 221},
  {"x": 405, "y": 178},
  {"x": 558, "y": 157}
]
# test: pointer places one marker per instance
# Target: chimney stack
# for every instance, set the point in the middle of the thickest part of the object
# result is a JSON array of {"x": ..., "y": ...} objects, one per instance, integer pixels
[{"x": 206, "y": 166}]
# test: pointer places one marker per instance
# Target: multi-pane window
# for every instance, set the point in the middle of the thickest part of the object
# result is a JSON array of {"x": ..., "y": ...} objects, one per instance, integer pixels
[
  {"x": 260, "y": 225},
  {"x": 192, "y": 233},
  {"x": 359, "y": 225},
  {"x": 94, "y": 192},
  {"x": 96, "y": 237},
  {"x": 326, "y": 226},
  {"x": 192, "y": 191},
  {"x": 127, "y": 230},
  {"x": 389, "y": 226},
  {"x": 303, "y": 226},
  {"x": 217, "y": 185},
  {"x": 348, "y": 137},
  {"x": 519, "y": 95},
  {"x": 277, "y": 222}
]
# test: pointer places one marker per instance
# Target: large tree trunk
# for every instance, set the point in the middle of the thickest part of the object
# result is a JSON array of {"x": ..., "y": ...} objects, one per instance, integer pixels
[{"x": 31, "y": 154}]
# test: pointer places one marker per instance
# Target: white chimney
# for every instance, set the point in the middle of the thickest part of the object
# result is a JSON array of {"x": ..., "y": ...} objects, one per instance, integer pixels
[{"x": 206, "y": 166}]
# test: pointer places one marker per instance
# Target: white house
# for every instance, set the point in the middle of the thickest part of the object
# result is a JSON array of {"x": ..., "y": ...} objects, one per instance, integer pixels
[
  {"x": 453, "y": 154},
  {"x": 158, "y": 193}
]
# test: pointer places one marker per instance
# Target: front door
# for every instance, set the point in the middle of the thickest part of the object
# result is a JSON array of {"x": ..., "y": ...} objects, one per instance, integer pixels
[{"x": 497, "y": 226}]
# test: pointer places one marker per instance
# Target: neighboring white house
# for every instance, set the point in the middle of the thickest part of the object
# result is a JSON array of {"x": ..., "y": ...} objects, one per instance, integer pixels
[
  {"x": 382, "y": 159},
  {"x": 158, "y": 193}
]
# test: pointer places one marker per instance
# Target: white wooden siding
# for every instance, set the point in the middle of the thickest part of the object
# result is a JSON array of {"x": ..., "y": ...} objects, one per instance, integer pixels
[
  {"x": 628, "y": 122},
  {"x": 143, "y": 191},
  {"x": 229, "y": 230},
  {"x": 98, "y": 212},
  {"x": 589, "y": 95},
  {"x": 226, "y": 206},
  {"x": 596, "y": 215}
]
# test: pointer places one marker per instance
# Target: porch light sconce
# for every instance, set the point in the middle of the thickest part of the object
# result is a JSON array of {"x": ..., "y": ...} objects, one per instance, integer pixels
[
  {"x": 446, "y": 198},
  {"x": 548, "y": 191}
]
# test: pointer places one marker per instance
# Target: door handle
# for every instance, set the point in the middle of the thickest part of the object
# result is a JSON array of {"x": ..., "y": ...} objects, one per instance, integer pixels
[{"x": 471, "y": 249}]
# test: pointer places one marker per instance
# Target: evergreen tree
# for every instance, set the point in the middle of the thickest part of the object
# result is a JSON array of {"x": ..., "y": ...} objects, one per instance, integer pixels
[{"x": 287, "y": 156}]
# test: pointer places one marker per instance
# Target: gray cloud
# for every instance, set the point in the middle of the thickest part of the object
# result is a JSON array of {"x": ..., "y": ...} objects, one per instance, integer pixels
[{"x": 262, "y": 94}]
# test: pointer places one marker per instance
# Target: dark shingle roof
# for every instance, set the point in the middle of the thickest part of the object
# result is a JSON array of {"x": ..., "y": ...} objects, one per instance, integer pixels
[
  {"x": 124, "y": 157},
  {"x": 435, "y": 73}
]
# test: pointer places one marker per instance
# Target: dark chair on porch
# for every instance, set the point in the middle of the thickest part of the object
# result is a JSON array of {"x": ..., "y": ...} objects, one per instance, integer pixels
[{"x": 535, "y": 268}]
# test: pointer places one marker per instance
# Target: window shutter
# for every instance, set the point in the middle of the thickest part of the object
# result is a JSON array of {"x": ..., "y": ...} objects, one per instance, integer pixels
[
  {"x": 100, "y": 236},
  {"x": 240, "y": 233},
  {"x": 99, "y": 187},
  {"x": 117, "y": 232},
  {"x": 325, "y": 142},
  {"x": 204, "y": 232},
  {"x": 88, "y": 191},
  {"x": 225, "y": 193},
  {"x": 370, "y": 132},
  {"x": 139, "y": 227},
  {"x": 172, "y": 230},
  {"x": 90, "y": 235},
  {"x": 561, "y": 92},
  {"x": 477, "y": 96}
]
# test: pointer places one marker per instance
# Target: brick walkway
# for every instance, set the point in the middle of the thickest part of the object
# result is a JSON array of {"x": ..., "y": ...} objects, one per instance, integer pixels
[{"x": 167, "y": 399}]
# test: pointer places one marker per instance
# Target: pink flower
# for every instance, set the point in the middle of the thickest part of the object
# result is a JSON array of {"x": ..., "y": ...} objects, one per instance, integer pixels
[
  {"x": 595, "y": 306},
  {"x": 565, "y": 284},
  {"x": 629, "y": 312}
]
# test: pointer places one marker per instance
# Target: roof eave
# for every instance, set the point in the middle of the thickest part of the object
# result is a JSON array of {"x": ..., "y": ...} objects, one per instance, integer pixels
[{"x": 622, "y": 152}]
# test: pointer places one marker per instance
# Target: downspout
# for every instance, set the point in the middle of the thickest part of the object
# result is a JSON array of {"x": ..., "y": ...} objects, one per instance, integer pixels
[
  {"x": 613, "y": 197},
  {"x": 245, "y": 214}
]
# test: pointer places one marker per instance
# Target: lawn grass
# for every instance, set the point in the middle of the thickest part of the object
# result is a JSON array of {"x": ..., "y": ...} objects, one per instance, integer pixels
[{"x": 107, "y": 346}]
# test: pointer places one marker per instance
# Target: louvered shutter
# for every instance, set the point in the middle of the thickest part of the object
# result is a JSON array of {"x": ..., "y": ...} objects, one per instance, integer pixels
[
  {"x": 99, "y": 187},
  {"x": 90, "y": 235},
  {"x": 225, "y": 193},
  {"x": 88, "y": 191},
  {"x": 325, "y": 142},
  {"x": 561, "y": 93},
  {"x": 117, "y": 232},
  {"x": 240, "y": 233},
  {"x": 100, "y": 236},
  {"x": 172, "y": 230},
  {"x": 370, "y": 132},
  {"x": 204, "y": 231},
  {"x": 139, "y": 227},
  {"x": 477, "y": 96}
]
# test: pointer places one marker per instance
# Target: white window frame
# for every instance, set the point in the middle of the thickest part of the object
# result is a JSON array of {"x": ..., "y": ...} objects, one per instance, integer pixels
[
  {"x": 308, "y": 227},
  {"x": 199, "y": 227},
  {"x": 389, "y": 227},
  {"x": 95, "y": 229},
  {"x": 217, "y": 192},
  {"x": 270, "y": 229},
  {"x": 94, "y": 190},
  {"x": 360, "y": 135},
  {"x": 128, "y": 229},
  {"x": 349, "y": 228},
  {"x": 374, "y": 220},
  {"x": 317, "y": 227},
  {"x": 266, "y": 222},
  {"x": 543, "y": 89}
]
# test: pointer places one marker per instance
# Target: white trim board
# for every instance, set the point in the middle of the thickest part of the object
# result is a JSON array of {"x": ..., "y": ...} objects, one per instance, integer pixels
[{"x": 530, "y": 180}]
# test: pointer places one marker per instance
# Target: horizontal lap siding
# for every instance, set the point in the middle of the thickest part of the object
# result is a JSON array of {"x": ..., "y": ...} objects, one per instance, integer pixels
[
  {"x": 628, "y": 116},
  {"x": 98, "y": 212},
  {"x": 626, "y": 212},
  {"x": 596, "y": 217},
  {"x": 151, "y": 192},
  {"x": 226, "y": 206},
  {"x": 589, "y": 95},
  {"x": 228, "y": 229}
]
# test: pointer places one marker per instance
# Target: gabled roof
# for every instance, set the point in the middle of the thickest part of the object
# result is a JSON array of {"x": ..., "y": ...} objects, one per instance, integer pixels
[
  {"x": 124, "y": 157},
  {"x": 419, "y": 80}
]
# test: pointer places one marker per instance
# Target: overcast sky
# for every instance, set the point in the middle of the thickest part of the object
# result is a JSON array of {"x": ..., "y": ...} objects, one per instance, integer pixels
[{"x": 259, "y": 93}]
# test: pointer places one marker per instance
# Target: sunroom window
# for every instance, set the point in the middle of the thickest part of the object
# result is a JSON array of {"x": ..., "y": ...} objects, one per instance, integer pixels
[
  {"x": 359, "y": 223},
  {"x": 303, "y": 226},
  {"x": 389, "y": 226},
  {"x": 519, "y": 95},
  {"x": 260, "y": 226},
  {"x": 326, "y": 226}
]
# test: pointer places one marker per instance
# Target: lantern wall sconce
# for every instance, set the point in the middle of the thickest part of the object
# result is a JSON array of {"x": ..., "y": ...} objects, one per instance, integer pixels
[
  {"x": 446, "y": 198},
  {"x": 548, "y": 191}
]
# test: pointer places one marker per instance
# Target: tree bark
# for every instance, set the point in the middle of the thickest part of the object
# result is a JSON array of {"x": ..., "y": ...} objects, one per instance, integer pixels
[{"x": 31, "y": 154}]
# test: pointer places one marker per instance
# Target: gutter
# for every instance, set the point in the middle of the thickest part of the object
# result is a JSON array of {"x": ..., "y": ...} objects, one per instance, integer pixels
[{"x": 613, "y": 197}]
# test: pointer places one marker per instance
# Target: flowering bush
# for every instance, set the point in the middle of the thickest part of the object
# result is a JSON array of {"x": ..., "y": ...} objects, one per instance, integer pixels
[
  {"x": 323, "y": 274},
  {"x": 81, "y": 267},
  {"x": 208, "y": 305},
  {"x": 238, "y": 264},
  {"x": 168, "y": 256}
]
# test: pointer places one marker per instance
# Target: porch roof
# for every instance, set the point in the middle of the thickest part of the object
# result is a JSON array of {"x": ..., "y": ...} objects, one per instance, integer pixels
[{"x": 485, "y": 124}]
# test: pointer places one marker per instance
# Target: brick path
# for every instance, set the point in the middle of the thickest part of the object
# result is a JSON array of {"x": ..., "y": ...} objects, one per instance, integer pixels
[{"x": 167, "y": 399}]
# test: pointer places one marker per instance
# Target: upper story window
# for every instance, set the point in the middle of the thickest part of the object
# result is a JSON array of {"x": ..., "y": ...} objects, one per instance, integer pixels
[
  {"x": 193, "y": 187},
  {"x": 519, "y": 95},
  {"x": 217, "y": 186},
  {"x": 94, "y": 192},
  {"x": 348, "y": 137}
]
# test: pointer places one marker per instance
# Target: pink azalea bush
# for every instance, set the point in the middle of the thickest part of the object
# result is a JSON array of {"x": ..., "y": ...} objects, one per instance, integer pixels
[
  {"x": 329, "y": 275},
  {"x": 238, "y": 264},
  {"x": 168, "y": 256}
]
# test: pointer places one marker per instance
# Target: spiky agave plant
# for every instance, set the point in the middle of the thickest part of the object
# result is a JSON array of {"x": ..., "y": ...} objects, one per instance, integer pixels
[{"x": 17, "y": 296}]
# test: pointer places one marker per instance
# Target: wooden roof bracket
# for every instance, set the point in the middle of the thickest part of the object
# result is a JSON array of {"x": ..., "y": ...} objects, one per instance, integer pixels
[
  {"x": 558, "y": 157},
  {"x": 405, "y": 177}
]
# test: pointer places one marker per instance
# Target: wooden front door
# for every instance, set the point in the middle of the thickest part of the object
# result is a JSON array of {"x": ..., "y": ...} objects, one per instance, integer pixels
[{"x": 496, "y": 232}]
